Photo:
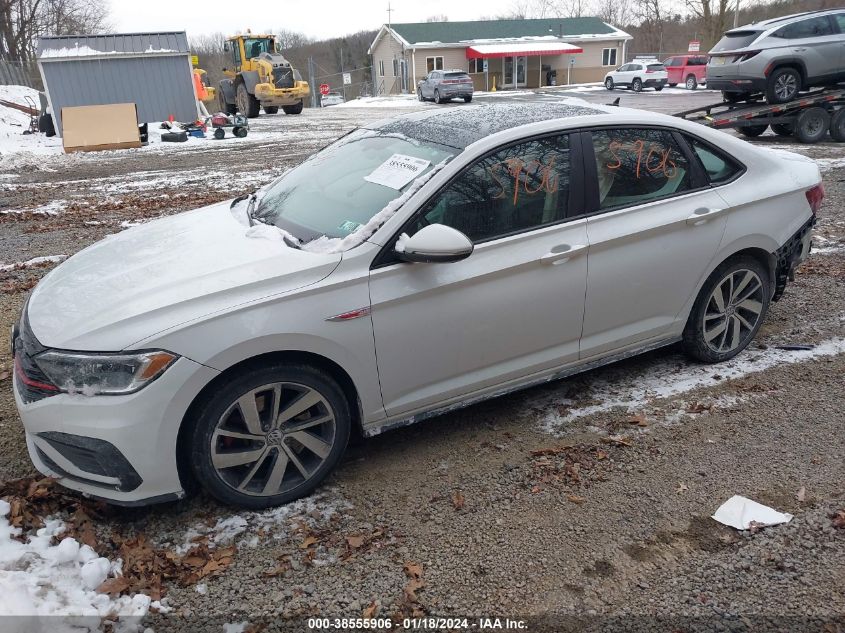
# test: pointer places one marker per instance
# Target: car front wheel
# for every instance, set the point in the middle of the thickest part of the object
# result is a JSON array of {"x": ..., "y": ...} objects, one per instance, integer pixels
[
  {"x": 419, "y": 95},
  {"x": 729, "y": 310},
  {"x": 270, "y": 435},
  {"x": 608, "y": 83}
]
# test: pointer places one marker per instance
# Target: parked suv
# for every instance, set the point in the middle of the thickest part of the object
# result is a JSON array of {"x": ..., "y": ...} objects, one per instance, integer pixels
[
  {"x": 637, "y": 75},
  {"x": 779, "y": 57},
  {"x": 445, "y": 85},
  {"x": 689, "y": 70}
]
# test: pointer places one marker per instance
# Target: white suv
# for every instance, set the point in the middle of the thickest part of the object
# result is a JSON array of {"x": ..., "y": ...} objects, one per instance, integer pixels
[
  {"x": 412, "y": 267},
  {"x": 637, "y": 75}
]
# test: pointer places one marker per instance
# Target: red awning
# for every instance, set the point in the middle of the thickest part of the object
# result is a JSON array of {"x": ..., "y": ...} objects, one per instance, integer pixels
[{"x": 519, "y": 49}]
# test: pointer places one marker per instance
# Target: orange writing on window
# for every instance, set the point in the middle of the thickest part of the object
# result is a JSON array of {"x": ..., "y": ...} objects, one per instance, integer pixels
[
  {"x": 655, "y": 160},
  {"x": 518, "y": 170}
]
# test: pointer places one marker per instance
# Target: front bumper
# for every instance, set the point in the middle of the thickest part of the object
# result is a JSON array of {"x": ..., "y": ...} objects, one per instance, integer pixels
[
  {"x": 268, "y": 94},
  {"x": 737, "y": 84},
  {"x": 118, "y": 448}
]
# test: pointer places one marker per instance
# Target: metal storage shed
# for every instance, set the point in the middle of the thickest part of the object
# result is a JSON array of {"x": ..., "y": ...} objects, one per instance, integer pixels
[{"x": 151, "y": 70}]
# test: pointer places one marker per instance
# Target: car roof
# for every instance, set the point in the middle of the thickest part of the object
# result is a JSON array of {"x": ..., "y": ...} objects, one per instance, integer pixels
[
  {"x": 461, "y": 126},
  {"x": 785, "y": 19}
]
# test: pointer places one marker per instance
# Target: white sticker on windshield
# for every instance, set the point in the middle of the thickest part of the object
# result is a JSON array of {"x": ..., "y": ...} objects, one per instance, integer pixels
[{"x": 397, "y": 171}]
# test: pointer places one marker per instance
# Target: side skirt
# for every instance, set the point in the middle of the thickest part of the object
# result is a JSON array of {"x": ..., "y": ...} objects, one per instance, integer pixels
[{"x": 533, "y": 381}]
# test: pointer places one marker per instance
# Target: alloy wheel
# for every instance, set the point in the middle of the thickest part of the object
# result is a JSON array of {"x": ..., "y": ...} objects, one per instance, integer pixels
[
  {"x": 733, "y": 311},
  {"x": 785, "y": 86},
  {"x": 273, "y": 438}
]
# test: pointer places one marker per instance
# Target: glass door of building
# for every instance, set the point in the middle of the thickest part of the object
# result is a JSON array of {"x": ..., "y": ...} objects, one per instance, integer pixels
[{"x": 519, "y": 64}]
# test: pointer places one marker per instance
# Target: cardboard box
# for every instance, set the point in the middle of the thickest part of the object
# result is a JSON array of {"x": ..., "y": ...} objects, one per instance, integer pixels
[{"x": 99, "y": 127}]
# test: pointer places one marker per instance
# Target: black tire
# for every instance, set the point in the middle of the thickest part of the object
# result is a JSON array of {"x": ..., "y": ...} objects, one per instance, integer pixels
[
  {"x": 468, "y": 99},
  {"x": 637, "y": 85},
  {"x": 204, "y": 443},
  {"x": 419, "y": 95},
  {"x": 837, "y": 126},
  {"x": 240, "y": 132},
  {"x": 783, "y": 85},
  {"x": 608, "y": 83},
  {"x": 812, "y": 125},
  {"x": 271, "y": 109},
  {"x": 219, "y": 133},
  {"x": 694, "y": 342},
  {"x": 293, "y": 109},
  {"x": 247, "y": 103},
  {"x": 225, "y": 107},
  {"x": 658, "y": 88},
  {"x": 672, "y": 85},
  {"x": 782, "y": 129},
  {"x": 691, "y": 83},
  {"x": 752, "y": 131},
  {"x": 437, "y": 98}
]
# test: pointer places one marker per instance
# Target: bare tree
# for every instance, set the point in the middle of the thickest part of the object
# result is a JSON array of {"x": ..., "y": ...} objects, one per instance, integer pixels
[
  {"x": 615, "y": 12},
  {"x": 437, "y": 18},
  {"x": 651, "y": 16},
  {"x": 22, "y": 22},
  {"x": 713, "y": 15},
  {"x": 288, "y": 39}
]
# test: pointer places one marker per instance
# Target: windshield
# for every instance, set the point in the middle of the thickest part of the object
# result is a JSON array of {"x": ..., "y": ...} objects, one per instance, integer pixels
[
  {"x": 656, "y": 68},
  {"x": 255, "y": 46},
  {"x": 735, "y": 40},
  {"x": 339, "y": 189}
]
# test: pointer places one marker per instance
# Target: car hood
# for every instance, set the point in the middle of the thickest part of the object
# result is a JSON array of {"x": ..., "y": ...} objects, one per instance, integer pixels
[{"x": 147, "y": 279}]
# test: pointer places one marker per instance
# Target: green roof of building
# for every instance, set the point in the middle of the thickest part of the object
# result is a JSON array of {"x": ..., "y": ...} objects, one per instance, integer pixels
[{"x": 450, "y": 32}]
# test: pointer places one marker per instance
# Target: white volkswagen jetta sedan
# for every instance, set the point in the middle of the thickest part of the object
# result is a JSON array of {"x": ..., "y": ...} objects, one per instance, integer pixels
[{"x": 414, "y": 266}]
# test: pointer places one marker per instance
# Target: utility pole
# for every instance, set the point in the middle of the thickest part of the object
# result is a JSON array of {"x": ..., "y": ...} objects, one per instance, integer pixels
[
  {"x": 342, "y": 82},
  {"x": 311, "y": 82},
  {"x": 736, "y": 15}
]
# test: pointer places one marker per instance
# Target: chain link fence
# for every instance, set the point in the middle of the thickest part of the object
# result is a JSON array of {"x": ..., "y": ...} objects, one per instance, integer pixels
[
  {"x": 360, "y": 82},
  {"x": 18, "y": 73}
]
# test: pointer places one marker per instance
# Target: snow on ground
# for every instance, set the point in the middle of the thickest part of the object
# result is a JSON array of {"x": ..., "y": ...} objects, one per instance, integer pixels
[
  {"x": 13, "y": 123},
  {"x": 38, "y": 578},
  {"x": 633, "y": 388},
  {"x": 387, "y": 101},
  {"x": 273, "y": 522},
  {"x": 35, "y": 261}
]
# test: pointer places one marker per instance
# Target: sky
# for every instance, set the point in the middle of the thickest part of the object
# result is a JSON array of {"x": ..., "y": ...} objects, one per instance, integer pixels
[{"x": 320, "y": 19}]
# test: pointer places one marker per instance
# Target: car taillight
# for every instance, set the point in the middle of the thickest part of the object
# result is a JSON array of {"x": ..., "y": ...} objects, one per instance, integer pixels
[{"x": 815, "y": 197}]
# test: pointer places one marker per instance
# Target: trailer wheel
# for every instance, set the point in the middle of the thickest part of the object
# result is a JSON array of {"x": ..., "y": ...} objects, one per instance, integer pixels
[
  {"x": 811, "y": 125},
  {"x": 837, "y": 126},
  {"x": 782, "y": 129},
  {"x": 752, "y": 131},
  {"x": 219, "y": 133}
]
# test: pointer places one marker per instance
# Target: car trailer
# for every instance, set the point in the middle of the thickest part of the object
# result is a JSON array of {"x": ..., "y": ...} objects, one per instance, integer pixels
[{"x": 807, "y": 118}]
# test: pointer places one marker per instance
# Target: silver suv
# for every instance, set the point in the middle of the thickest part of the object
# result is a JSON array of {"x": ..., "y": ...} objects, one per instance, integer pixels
[
  {"x": 445, "y": 85},
  {"x": 779, "y": 57}
]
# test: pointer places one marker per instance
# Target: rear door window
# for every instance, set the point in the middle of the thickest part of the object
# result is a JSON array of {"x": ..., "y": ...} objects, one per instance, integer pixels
[
  {"x": 635, "y": 166},
  {"x": 839, "y": 20},
  {"x": 813, "y": 27}
]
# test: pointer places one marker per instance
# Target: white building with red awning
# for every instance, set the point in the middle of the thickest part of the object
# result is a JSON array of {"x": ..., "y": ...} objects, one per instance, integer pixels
[{"x": 507, "y": 54}]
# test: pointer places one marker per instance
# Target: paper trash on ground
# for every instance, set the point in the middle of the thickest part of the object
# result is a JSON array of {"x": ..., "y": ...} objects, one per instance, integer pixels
[
  {"x": 397, "y": 171},
  {"x": 740, "y": 512}
]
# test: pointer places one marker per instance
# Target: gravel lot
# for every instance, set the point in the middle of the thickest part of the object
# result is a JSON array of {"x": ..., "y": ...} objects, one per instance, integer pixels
[{"x": 580, "y": 505}]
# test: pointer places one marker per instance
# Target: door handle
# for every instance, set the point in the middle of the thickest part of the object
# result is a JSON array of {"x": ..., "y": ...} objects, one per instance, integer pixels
[
  {"x": 702, "y": 215},
  {"x": 562, "y": 253}
]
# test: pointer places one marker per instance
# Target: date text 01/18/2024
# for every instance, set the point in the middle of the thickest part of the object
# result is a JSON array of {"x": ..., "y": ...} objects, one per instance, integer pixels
[{"x": 417, "y": 624}]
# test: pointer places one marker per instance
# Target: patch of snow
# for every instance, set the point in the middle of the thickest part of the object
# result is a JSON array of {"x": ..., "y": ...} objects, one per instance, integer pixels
[
  {"x": 311, "y": 510},
  {"x": 238, "y": 627},
  {"x": 632, "y": 389},
  {"x": 34, "y": 262},
  {"x": 51, "y": 208},
  {"x": 269, "y": 232},
  {"x": 76, "y": 51},
  {"x": 201, "y": 588},
  {"x": 392, "y": 101},
  {"x": 41, "y": 579},
  {"x": 827, "y": 164}
]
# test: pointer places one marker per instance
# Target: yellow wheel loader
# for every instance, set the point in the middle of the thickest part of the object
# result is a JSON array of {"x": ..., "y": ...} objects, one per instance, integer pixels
[{"x": 260, "y": 78}]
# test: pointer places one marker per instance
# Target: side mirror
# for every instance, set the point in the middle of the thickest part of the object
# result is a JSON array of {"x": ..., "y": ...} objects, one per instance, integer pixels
[{"x": 435, "y": 243}]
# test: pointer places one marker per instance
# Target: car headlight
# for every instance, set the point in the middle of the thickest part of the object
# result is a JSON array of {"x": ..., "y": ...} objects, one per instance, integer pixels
[{"x": 103, "y": 374}]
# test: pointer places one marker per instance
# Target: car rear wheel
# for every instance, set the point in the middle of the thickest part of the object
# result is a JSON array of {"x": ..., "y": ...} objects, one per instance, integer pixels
[
  {"x": 752, "y": 131},
  {"x": 437, "y": 98},
  {"x": 837, "y": 126},
  {"x": 729, "y": 310},
  {"x": 270, "y": 435},
  {"x": 658, "y": 88},
  {"x": 672, "y": 85},
  {"x": 637, "y": 85},
  {"x": 811, "y": 125},
  {"x": 691, "y": 83},
  {"x": 735, "y": 97},
  {"x": 608, "y": 83},
  {"x": 783, "y": 85},
  {"x": 468, "y": 98}
]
